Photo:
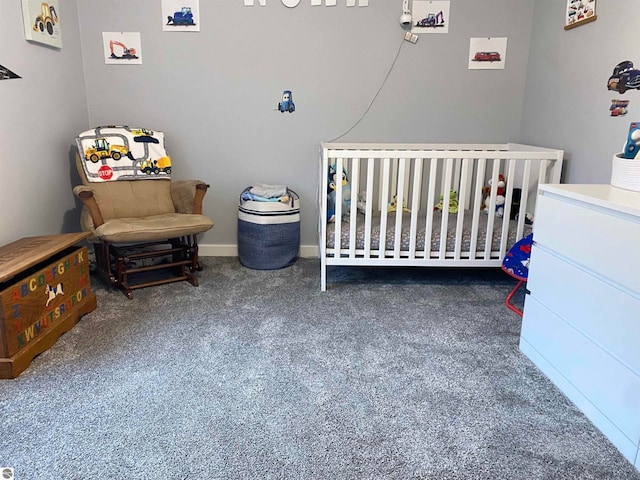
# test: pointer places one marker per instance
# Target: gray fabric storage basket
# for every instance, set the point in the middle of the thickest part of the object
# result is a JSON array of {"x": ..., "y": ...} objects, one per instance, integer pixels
[{"x": 269, "y": 233}]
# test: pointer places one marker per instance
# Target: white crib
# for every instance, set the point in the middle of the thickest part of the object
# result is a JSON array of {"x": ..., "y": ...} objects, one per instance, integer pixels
[{"x": 367, "y": 234}]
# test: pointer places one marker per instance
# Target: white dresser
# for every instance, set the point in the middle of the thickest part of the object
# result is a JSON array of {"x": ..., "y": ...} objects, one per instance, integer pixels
[{"x": 581, "y": 323}]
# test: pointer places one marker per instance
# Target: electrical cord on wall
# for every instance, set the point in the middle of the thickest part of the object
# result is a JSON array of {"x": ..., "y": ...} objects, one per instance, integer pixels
[{"x": 393, "y": 64}]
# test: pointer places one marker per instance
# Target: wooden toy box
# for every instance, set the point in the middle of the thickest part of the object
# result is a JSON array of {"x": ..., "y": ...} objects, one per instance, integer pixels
[{"x": 44, "y": 290}]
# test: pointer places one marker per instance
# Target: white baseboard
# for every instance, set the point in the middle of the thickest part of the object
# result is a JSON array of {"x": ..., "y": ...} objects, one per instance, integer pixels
[{"x": 306, "y": 251}]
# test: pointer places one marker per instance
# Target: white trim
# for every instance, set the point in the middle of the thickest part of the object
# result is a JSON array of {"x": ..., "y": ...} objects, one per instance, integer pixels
[
  {"x": 268, "y": 219},
  {"x": 306, "y": 251}
]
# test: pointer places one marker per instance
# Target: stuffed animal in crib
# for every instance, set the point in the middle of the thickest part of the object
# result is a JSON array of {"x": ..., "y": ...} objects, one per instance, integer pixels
[
  {"x": 342, "y": 181},
  {"x": 453, "y": 202},
  {"x": 393, "y": 206},
  {"x": 500, "y": 199}
]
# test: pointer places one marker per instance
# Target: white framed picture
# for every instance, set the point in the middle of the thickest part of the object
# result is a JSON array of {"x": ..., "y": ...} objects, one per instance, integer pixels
[
  {"x": 487, "y": 53},
  {"x": 430, "y": 16},
  {"x": 122, "y": 48},
  {"x": 42, "y": 22},
  {"x": 181, "y": 15}
]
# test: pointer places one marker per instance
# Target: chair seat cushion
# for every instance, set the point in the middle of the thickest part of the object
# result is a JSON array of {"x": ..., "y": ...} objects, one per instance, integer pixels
[{"x": 155, "y": 227}]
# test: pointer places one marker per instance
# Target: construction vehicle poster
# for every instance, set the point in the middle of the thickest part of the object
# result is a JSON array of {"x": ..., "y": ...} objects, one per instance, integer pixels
[
  {"x": 122, "y": 48},
  {"x": 180, "y": 15},
  {"x": 430, "y": 16},
  {"x": 42, "y": 22},
  {"x": 118, "y": 152}
]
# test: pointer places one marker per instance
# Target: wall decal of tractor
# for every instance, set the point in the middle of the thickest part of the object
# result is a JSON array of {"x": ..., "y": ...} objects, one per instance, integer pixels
[{"x": 101, "y": 148}]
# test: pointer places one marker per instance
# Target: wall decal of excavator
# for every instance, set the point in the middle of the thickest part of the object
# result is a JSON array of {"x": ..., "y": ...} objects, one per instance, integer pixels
[
  {"x": 46, "y": 20},
  {"x": 127, "y": 53}
]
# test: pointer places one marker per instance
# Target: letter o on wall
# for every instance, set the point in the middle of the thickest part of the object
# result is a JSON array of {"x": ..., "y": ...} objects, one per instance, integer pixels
[{"x": 290, "y": 3}]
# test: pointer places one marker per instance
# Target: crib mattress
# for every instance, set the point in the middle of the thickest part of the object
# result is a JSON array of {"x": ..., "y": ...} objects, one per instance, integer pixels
[{"x": 420, "y": 239}]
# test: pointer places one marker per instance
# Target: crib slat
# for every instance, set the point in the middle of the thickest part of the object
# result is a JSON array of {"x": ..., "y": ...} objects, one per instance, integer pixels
[
  {"x": 446, "y": 187},
  {"x": 353, "y": 214},
  {"x": 544, "y": 172},
  {"x": 457, "y": 172},
  {"x": 338, "y": 212},
  {"x": 407, "y": 178},
  {"x": 506, "y": 224},
  {"x": 463, "y": 199},
  {"x": 394, "y": 180},
  {"x": 322, "y": 219},
  {"x": 415, "y": 205},
  {"x": 524, "y": 198},
  {"x": 384, "y": 201},
  {"x": 492, "y": 209},
  {"x": 428, "y": 229},
  {"x": 368, "y": 207},
  {"x": 467, "y": 185},
  {"x": 399, "y": 205},
  {"x": 477, "y": 211}
]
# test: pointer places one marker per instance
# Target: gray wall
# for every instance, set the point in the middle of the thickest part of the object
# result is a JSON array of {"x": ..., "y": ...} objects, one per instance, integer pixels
[
  {"x": 566, "y": 99},
  {"x": 41, "y": 113},
  {"x": 214, "y": 93}
]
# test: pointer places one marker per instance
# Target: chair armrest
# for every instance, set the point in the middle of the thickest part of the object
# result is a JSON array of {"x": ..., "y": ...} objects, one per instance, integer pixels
[
  {"x": 187, "y": 195},
  {"x": 85, "y": 194}
]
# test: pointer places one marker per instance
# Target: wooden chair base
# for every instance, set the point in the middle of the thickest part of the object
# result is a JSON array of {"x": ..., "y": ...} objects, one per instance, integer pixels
[{"x": 133, "y": 266}]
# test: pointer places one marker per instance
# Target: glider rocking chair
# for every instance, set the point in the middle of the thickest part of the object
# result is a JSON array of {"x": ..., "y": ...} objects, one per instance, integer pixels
[{"x": 144, "y": 226}]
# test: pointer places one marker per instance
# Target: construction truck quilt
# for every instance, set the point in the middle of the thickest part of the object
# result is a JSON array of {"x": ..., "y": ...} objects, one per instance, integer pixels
[{"x": 123, "y": 153}]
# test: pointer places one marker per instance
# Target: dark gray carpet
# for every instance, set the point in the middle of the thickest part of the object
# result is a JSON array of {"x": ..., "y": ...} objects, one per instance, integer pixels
[{"x": 391, "y": 374}]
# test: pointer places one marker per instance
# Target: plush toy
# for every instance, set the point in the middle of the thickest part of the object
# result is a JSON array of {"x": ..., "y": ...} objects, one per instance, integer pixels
[
  {"x": 453, "y": 202},
  {"x": 393, "y": 206},
  {"x": 334, "y": 181},
  {"x": 528, "y": 218},
  {"x": 500, "y": 200}
]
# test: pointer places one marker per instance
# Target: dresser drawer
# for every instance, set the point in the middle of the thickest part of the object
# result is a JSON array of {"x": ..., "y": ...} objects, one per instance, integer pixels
[
  {"x": 602, "y": 240},
  {"x": 609, "y": 393},
  {"x": 605, "y": 314}
]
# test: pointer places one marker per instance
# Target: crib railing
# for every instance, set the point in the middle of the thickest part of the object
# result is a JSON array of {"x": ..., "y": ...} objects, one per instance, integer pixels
[{"x": 418, "y": 178}]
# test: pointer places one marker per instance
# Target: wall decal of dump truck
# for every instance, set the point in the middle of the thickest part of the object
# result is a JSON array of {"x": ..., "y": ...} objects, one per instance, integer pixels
[
  {"x": 161, "y": 165},
  {"x": 101, "y": 148}
]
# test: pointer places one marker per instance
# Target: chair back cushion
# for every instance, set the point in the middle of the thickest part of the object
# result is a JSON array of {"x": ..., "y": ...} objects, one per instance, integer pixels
[{"x": 130, "y": 198}]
